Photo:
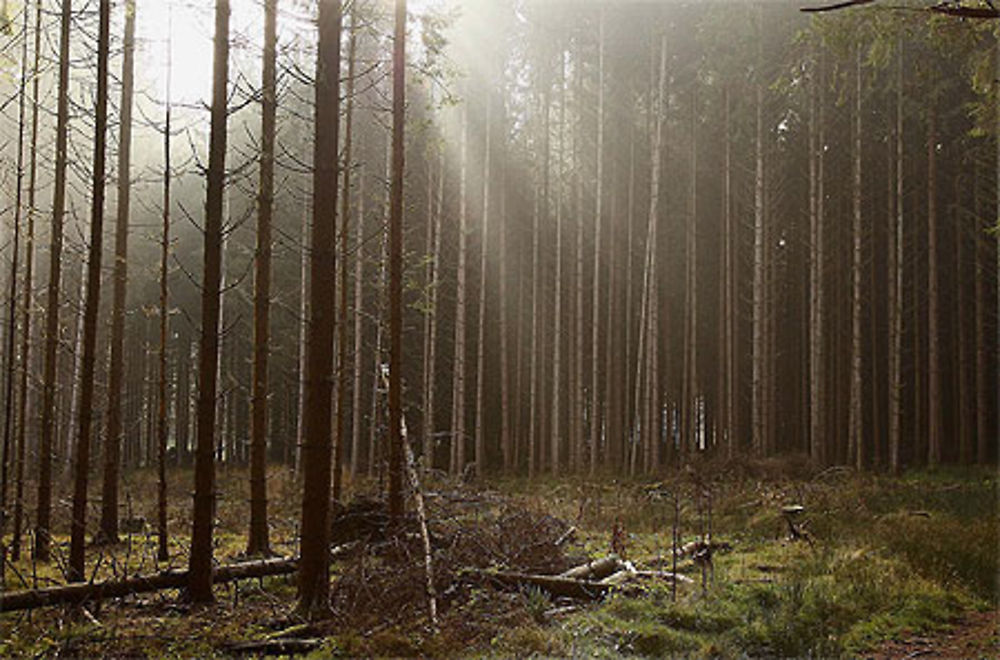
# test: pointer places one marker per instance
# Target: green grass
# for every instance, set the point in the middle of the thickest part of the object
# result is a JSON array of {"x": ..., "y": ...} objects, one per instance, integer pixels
[{"x": 892, "y": 556}]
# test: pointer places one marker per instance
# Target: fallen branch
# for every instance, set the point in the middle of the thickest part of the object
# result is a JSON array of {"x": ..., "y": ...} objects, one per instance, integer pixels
[
  {"x": 594, "y": 570},
  {"x": 77, "y": 594},
  {"x": 290, "y": 646},
  {"x": 555, "y": 585},
  {"x": 418, "y": 499}
]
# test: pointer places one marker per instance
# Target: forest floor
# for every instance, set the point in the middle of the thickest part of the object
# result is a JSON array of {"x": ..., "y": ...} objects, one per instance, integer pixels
[{"x": 891, "y": 568}]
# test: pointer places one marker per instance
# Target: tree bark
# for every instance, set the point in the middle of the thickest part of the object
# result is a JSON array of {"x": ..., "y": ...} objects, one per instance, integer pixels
[
  {"x": 78, "y": 525},
  {"x": 895, "y": 277},
  {"x": 112, "y": 441},
  {"x": 161, "y": 393},
  {"x": 595, "y": 329},
  {"x": 933, "y": 299},
  {"x": 855, "y": 420},
  {"x": 26, "y": 300},
  {"x": 314, "y": 568},
  {"x": 457, "y": 463},
  {"x": 258, "y": 542},
  {"x": 200, "y": 566},
  {"x": 345, "y": 219},
  {"x": 480, "y": 443},
  {"x": 48, "y": 413},
  {"x": 396, "y": 264}
]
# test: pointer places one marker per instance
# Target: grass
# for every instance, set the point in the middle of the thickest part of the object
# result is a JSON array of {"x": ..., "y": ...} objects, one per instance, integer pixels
[{"x": 892, "y": 557}]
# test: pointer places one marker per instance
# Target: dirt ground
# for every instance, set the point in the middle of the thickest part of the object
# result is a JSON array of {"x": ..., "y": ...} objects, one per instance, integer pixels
[{"x": 976, "y": 636}]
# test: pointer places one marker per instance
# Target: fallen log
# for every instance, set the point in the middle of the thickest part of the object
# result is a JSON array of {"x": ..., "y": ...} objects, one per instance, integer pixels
[
  {"x": 555, "y": 585},
  {"x": 594, "y": 570},
  {"x": 286, "y": 646},
  {"x": 77, "y": 594}
]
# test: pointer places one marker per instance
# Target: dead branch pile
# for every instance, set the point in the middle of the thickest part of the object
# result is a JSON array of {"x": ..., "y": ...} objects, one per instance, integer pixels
[{"x": 385, "y": 582}]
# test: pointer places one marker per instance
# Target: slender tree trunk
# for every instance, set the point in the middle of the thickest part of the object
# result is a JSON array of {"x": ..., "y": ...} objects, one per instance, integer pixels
[
  {"x": 200, "y": 566},
  {"x": 9, "y": 393},
  {"x": 432, "y": 330},
  {"x": 534, "y": 367},
  {"x": 962, "y": 425},
  {"x": 427, "y": 430},
  {"x": 933, "y": 299},
  {"x": 556, "y": 440},
  {"x": 396, "y": 437},
  {"x": 257, "y": 537},
  {"x": 112, "y": 441},
  {"x": 648, "y": 303},
  {"x": 161, "y": 413},
  {"x": 895, "y": 277},
  {"x": 79, "y": 522},
  {"x": 359, "y": 263},
  {"x": 457, "y": 463},
  {"x": 733, "y": 437},
  {"x": 982, "y": 364},
  {"x": 689, "y": 399},
  {"x": 26, "y": 302},
  {"x": 759, "y": 403},
  {"x": 481, "y": 335},
  {"x": 578, "y": 392},
  {"x": 595, "y": 329},
  {"x": 314, "y": 566},
  {"x": 304, "y": 292},
  {"x": 345, "y": 214},
  {"x": 505, "y": 386},
  {"x": 48, "y": 414},
  {"x": 855, "y": 419}
]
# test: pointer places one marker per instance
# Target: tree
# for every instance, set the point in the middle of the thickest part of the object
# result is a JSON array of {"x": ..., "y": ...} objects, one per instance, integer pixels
[
  {"x": 855, "y": 422},
  {"x": 112, "y": 443},
  {"x": 48, "y": 414},
  {"x": 79, "y": 522},
  {"x": 396, "y": 438},
  {"x": 164, "y": 317},
  {"x": 200, "y": 564},
  {"x": 314, "y": 565},
  {"x": 457, "y": 463},
  {"x": 257, "y": 538},
  {"x": 345, "y": 214},
  {"x": 26, "y": 300}
]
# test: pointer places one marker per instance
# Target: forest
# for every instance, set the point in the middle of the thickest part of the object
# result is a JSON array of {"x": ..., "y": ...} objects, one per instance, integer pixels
[{"x": 492, "y": 328}]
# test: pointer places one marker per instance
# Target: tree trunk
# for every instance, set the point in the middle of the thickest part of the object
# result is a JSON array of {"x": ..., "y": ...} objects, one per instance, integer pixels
[
  {"x": 855, "y": 420},
  {"x": 759, "y": 399},
  {"x": 200, "y": 566},
  {"x": 314, "y": 568},
  {"x": 457, "y": 463},
  {"x": 112, "y": 441},
  {"x": 9, "y": 404},
  {"x": 161, "y": 412},
  {"x": 79, "y": 521},
  {"x": 595, "y": 329},
  {"x": 690, "y": 426},
  {"x": 933, "y": 299},
  {"x": 895, "y": 277},
  {"x": 257, "y": 537},
  {"x": 48, "y": 414},
  {"x": 26, "y": 301},
  {"x": 396, "y": 265},
  {"x": 359, "y": 263},
  {"x": 345, "y": 219},
  {"x": 481, "y": 334}
]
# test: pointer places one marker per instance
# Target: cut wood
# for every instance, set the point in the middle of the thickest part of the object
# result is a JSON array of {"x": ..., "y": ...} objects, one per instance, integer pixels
[
  {"x": 663, "y": 575},
  {"x": 76, "y": 594},
  {"x": 555, "y": 585},
  {"x": 597, "y": 569}
]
